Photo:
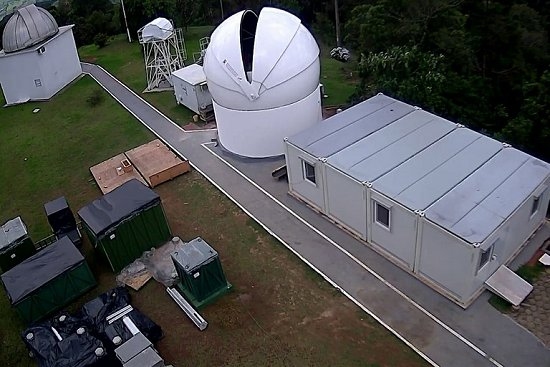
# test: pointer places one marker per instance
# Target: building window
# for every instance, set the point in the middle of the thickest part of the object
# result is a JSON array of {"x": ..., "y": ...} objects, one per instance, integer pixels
[
  {"x": 309, "y": 172},
  {"x": 382, "y": 214},
  {"x": 536, "y": 204},
  {"x": 486, "y": 256}
]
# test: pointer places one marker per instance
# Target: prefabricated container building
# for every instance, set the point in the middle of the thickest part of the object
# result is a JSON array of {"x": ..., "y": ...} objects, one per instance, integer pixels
[
  {"x": 191, "y": 90},
  {"x": 446, "y": 203},
  {"x": 125, "y": 222},
  {"x": 15, "y": 244},
  {"x": 48, "y": 280}
]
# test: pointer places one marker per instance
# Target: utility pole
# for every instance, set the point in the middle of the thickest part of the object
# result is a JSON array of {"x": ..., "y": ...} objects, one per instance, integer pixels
[
  {"x": 337, "y": 21},
  {"x": 125, "y": 21}
]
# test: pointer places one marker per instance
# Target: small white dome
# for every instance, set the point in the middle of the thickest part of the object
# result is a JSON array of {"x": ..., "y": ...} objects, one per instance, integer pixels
[
  {"x": 156, "y": 30},
  {"x": 27, "y": 27},
  {"x": 256, "y": 63}
]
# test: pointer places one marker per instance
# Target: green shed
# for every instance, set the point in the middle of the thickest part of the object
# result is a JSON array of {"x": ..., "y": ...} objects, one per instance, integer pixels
[
  {"x": 125, "y": 222},
  {"x": 48, "y": 280},
  {"x": 201, "y": 277},
  {"x": 15, "y": 244}
]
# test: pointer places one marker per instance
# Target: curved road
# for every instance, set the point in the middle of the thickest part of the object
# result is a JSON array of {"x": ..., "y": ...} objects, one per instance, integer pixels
[{"x": 441, "y": 332}]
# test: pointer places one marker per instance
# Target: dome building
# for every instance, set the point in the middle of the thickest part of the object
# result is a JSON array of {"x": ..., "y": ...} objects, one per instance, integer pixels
[
  {"x": 38, "y": 59},
  {"x": 263, "y": 75}
]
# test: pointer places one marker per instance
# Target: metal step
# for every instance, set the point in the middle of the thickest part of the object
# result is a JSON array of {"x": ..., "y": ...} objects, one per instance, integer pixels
[{"x": 187, "y": 308}]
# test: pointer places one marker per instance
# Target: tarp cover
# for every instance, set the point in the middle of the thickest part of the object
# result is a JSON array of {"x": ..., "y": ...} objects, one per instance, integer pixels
[
  {"x": 61, "y": 218},
  {"x": 40, "y": 268},
  {"x": 11, "y": 231},
  {"x": 112, "y": 208}
]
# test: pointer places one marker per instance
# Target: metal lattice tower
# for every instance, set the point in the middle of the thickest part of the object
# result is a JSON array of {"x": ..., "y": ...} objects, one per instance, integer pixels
[{"x": 164, "y": 52}]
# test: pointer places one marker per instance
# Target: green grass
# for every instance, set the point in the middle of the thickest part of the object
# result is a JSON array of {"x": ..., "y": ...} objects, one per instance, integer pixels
[
  {"x": 339, "y": 79},
  {"x": 529, "y": 273},
  {"x": 125, "y": 60},
  {"x": 280, "y": 312},
  {"x": 47, "y": 154}
]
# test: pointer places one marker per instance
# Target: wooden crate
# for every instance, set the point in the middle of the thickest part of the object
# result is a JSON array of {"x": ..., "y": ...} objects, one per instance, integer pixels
[{"x": 157, "y": 163}]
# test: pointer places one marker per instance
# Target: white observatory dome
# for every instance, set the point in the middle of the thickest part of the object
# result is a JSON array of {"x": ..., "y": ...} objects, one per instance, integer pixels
[
  {"x": 157, "y": 30},
  {"x": 27, "y": 27},
  {"x": 263, "y": 75},
  {"x": 254, "y": 63}
]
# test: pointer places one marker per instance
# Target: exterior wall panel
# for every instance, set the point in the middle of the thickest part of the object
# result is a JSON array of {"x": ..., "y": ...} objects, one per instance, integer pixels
[
  {"x": 447, "y": 261},
  {"x": 400, "y": 239},
  {"x": 59, "y": 64},
  {"x": 298, "y": 184},
  {"x": 346, "y": 201}
]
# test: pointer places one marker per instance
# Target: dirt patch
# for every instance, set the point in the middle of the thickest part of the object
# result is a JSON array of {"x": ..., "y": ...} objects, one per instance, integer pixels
[{"x": 280, "y": 312}]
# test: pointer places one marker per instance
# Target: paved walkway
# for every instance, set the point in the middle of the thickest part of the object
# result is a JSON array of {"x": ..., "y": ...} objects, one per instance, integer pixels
[{"x": 440, "y": 331}]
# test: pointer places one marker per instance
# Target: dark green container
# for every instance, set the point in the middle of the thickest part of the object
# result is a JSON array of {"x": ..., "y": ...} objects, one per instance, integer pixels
[
  {"x": 125, "y": 222},
  {"x": 48, "y": 280},
  {"x": 201, "y": 277},
  {"x": 15, "y": 244}
]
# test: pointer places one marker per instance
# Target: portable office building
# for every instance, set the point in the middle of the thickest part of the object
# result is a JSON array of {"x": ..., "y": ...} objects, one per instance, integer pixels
[
  {"x": 48, "y": 280},
  {"x": 15, "y": 244},
  {"x": 442, "y": 201},
  {"x": 125, "y": 222},
  {"x": 191, "y": 90}
]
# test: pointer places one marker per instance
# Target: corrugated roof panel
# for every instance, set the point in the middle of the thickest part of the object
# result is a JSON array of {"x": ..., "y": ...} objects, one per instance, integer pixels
[
  {"x": 370, "y": 145},
  {"x": 326, "y": 127},
  {"x": 424, "y": 162},
  {"x": 400, "y": 151},
  {"x": 457, "y": 203},
  {"x": 365, "y": 126},
  {"x": 438, "y": 182},
  {"x": 342, "y": 134},
  {"x": 507, "y": 196}
]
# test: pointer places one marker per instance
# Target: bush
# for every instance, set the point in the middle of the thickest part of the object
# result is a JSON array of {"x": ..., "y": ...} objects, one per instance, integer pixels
[
  {"x": 95, "y": 98},
  {"x": 100, "y": 40}
]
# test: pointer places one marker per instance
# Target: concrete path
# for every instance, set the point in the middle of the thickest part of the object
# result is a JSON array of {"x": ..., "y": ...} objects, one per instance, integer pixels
[{"x": 438, "y": 330}]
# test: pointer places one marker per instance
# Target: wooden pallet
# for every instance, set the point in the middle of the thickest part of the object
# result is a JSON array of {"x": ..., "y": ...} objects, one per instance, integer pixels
[
  {"x": 157, "y": 163},
  {"x": 112, "y": 173}
]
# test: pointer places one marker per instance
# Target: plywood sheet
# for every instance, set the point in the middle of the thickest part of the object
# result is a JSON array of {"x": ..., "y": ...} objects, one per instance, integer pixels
[
  {"x": 156, "y": 162},
  {"x": 508, "y": 285},
  {"x": 108, "y": 175}
]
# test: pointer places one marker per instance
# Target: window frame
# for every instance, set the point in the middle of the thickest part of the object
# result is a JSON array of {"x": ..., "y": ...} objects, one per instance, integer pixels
[
  {"x": 489, "y": 251},
  {"x": 376, "y": 219},
  {"x": 535, "y": 205},
  {"x": 305, "y": 165}
]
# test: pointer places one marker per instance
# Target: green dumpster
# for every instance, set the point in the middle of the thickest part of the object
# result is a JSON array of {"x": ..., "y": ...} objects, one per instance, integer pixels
[
  {"x": 15, "y": 244},
  {"x": 201, "y": 277},
  {"x": 48, "y": 280},
  {"x": 125, "y": 222}
]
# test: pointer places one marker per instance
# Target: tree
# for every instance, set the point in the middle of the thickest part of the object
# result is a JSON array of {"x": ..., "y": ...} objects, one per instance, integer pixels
[{"x": 405, "y": 73}]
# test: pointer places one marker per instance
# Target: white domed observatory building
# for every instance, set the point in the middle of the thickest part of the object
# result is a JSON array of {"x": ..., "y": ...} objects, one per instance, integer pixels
[
  {"x": 38, "y": 59},
  {"x": 263, "y": 74}
]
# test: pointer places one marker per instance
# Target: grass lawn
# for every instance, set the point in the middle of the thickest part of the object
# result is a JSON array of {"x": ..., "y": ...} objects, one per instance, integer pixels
[
  {"x": 125, "y": 60},
  {"x": 280, "y": 313}
]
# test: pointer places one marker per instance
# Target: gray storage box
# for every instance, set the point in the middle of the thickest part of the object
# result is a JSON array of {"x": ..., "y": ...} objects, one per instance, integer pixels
[
  {"x": 132, "y": 347},
  {"x": 146, "y": 358}
]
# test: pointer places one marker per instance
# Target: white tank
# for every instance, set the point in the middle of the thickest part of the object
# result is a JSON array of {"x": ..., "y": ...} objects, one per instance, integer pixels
[{"x": 263, "y": 74}]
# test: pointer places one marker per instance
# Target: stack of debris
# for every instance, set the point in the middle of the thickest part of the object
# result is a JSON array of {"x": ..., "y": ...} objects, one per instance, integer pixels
[{"x": 108, "y": 331}]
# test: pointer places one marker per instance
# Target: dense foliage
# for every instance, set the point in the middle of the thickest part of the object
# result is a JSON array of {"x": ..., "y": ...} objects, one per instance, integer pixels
[{"x": 478, "y": 62}]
